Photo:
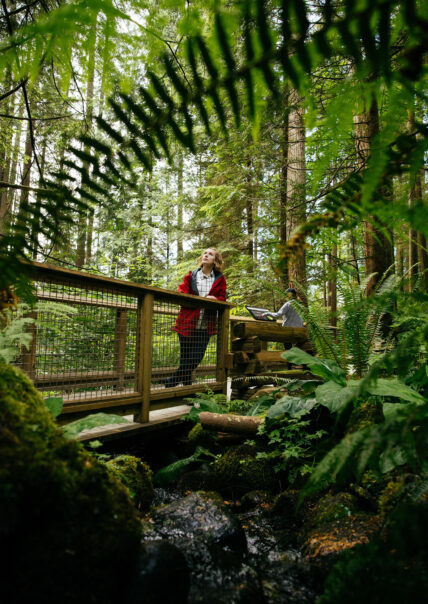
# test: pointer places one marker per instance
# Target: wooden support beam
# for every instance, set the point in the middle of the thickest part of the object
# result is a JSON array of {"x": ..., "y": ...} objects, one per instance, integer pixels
[
  {"x": 144, "y": 357},
  {"x": 271, "y": 332},
  {"x": 270, "y": 357},
  {"x": 222, "y": 347}
]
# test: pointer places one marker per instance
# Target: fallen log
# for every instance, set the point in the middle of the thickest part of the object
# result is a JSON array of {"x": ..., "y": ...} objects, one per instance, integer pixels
[
  {"x": 271, "y": 332},
  {"x": 235, "y": 424}
]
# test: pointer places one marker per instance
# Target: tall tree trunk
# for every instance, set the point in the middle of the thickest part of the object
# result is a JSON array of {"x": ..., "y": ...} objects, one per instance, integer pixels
[
  {"x": 6, "y": 133},
  {"x": 283, "y": 195},
  {"x": 421, "y": 239},
  {"x": 296, "y": 186},
  {"x": 16, "y": 146},
  {"x": 249, "y": 214},
  {"x": 180, "y": 207},
  {"x": 378, "y": 249},
  {"x": 82, "y": 249},
  {"x": 26, "y": 175},
  {"x": 332, "y": 285},
  {"x": 414, "y": 194}
]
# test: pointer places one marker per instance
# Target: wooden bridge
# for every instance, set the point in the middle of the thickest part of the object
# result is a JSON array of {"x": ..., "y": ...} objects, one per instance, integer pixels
[{"x": 108, "y": 345}]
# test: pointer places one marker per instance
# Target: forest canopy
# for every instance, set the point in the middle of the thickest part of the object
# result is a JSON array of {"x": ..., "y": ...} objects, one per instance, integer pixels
[{"x": 290, "y": 135}]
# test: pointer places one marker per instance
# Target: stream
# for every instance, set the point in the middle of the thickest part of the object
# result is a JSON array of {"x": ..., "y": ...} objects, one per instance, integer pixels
[{"x": 223, "y": 554}]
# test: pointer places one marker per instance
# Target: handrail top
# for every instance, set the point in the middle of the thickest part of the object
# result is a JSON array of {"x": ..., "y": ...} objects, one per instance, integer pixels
[{"x": 38, "y": 269}]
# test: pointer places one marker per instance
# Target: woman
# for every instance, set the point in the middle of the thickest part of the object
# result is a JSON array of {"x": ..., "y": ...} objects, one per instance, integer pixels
[{"x": 195, "y": 326}]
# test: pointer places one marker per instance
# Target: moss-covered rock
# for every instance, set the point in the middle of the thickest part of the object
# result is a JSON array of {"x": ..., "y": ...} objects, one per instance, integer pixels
[
  {"x": 391, "y": 567},
  {"x": 391, "y": 495},
  {"x": 239, "y": 471},
  {"x": 365, "y": 415},
  {"x": 69, "y": 531},
  {"x": 333, "y": 507},
  {"x": 137, "y": 478},
  {"x": 199, "y": 437}
]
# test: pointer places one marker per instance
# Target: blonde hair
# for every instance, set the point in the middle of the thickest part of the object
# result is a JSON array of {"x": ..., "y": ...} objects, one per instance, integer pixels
[{"x": 218, "y": 259}]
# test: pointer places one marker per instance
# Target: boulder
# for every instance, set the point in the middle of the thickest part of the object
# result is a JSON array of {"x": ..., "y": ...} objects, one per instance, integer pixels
[
  {"x": 201, "y": 516},
  {"x": 69, "y": 531},
  {"x": 214, "y": 546},
  {"x": 161, "y": 575},
  {"x": 239, "y": 471},
  {"x": 136, "y": 476}
]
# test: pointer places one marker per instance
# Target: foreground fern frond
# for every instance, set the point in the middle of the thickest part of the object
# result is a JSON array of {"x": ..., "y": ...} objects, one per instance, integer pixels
[
  {"x": 283, "y": 49},
  {"x": 376, "y": 447}
]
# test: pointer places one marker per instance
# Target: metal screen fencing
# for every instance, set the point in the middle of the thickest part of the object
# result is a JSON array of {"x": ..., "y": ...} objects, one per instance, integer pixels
[
  {"x": 89, "y": 333},
  {"x": 184, "y": 352},
  {"x": 84, "y": 341}
]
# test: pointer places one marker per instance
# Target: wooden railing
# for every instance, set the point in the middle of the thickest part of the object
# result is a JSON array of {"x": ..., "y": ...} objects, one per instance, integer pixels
[{"x": 106, "y": 345}]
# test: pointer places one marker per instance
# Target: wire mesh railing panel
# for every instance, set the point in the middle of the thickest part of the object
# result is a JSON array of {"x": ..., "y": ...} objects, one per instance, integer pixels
[
  {"x": 84, "y": 341},
  {"x": 184, "y": 344}
]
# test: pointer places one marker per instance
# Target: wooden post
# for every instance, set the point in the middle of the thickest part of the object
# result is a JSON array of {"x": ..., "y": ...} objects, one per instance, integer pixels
[
  {"x": 222, "y": 348},
  {"x": 144, "y": 369},
  {"x": 28, "y": 357},
  {"x": 120, "y": 348}
]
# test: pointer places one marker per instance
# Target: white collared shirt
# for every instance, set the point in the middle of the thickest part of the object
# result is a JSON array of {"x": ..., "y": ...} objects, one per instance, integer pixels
[{"x": 204, "y": 284}]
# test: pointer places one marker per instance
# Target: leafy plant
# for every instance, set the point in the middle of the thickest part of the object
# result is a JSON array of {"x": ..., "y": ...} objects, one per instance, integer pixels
[
  {"x": 401, "y": 438},
  {"x": 290, "y": 443},
  {"x": 14, "y": 334},
  {"x": 352, "y": 343},
  {"x": 73, "y": 429},
  {"x": 215, "y": 403},
  {"x": 338, "y": 390}
]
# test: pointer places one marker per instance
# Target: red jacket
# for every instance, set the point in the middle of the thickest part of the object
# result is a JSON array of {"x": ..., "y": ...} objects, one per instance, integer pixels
[{"x": 188, "y": 316}]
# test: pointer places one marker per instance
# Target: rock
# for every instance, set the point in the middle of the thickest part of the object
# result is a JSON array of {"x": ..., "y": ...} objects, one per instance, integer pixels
[
  {"x": 198, "y": 436},
  {"x": 69, "y": 531},
  {"x": 239, "y": 471},
  {"x": 254, "y": 499},
  {"x": 162, "y": 575},
  {"x": 333, "y": 507},
  {"x": 202, "y": 517},
  {"x": 391, "y": 567},
  {"x": 214, "y": 546},
  {"x": 136, "y": 477},
  {"x": 323, "y": 546},
  {"x": 285, "y": 503}
]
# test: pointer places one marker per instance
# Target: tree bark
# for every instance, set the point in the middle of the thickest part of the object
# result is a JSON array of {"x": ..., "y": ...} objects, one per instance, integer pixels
[
  {"x": 284, "y": 277},
  {"x": 378, "y": 249},
  {"x": 332, "y": 285},
  {"x": 82, "y": 250},
  {"x": 296, "y": 186},
  {"x": 235, "y": 424},
  {"x": 180, "y": 208}
]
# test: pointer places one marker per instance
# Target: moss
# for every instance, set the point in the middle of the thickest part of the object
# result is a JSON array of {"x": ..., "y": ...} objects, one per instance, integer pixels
[
  {"x": 238, "y": 472},
  {"x": 199, "y": 437},
  {"x": 365, "y": 415},
  {"x": 391, "y": 568},
  {"x": 390, "y": 496},
  {"x": 66, "y": 523},
  {"x": 137, "y": 478},
  {"x": 333, "y": 507}
]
